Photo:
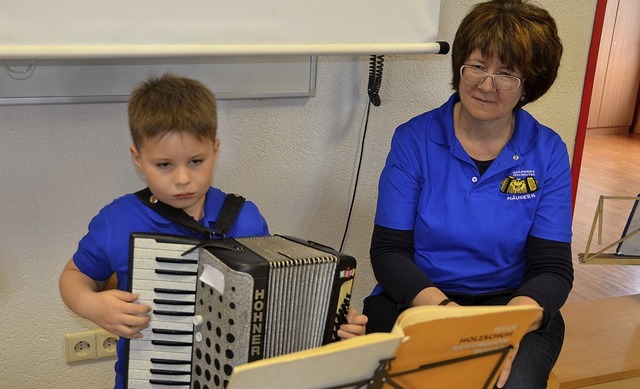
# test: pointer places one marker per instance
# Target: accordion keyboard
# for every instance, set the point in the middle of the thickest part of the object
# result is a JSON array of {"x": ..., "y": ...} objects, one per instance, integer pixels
[{"x": 166, "y": 281}]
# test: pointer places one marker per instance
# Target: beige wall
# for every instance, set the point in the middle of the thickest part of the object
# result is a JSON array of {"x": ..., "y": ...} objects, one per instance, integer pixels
[{"x": 294, "y": 157}]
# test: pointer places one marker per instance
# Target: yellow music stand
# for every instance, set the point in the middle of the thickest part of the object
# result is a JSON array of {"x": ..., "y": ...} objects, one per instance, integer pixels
[
  {"x": 601, "y": 257},
  {"x": 429, "y": 346}
]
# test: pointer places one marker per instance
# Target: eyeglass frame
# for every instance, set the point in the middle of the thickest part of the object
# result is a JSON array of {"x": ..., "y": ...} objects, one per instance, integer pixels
[{"x": 493, "y": 78}]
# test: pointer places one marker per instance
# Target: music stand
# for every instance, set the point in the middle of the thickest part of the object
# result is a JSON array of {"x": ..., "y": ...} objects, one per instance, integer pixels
[
  {"x": 391, "y": 379},
  {"x": 452, "y": 347},
  {"x": 628, "y": 246},
  {"x": 350, "y": 363}
]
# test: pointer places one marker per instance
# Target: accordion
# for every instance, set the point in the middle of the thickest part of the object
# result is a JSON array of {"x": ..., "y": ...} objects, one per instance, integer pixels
[{"x": 221, "y": 303}]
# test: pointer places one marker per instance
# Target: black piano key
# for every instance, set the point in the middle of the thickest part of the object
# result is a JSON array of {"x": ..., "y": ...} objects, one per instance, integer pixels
[
  {"x": 177, "y": 260},
  {"x": 163, "y": 361},
  {"x": 170, "y": 343},
  {"x": 176, "y": 272},
  {"x": 173, "y": 291},
  {"x": 169, "y": 372},
  {"x": 171, "y": 313},
  {"x": 166, "y": 331},
  {"x": 170, "y": 383},
  {"x": 173, "y": 302}
]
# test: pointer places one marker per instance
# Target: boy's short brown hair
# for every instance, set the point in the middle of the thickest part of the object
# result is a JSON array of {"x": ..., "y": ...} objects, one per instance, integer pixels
[
  {"x": 169, "y": 103},
  {"x": 521, "y": 35}
]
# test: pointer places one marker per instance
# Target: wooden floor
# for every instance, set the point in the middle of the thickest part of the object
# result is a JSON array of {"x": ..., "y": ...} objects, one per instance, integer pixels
[{"x": 610, "y": 167}]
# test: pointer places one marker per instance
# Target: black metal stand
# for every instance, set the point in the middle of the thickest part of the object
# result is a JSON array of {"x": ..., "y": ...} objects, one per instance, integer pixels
[{"x": 382, "y": 377}]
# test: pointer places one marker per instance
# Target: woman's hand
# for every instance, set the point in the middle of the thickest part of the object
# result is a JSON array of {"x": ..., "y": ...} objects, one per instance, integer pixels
[
  {"x": 524, "y": 300},
  {"x": 506, "y": 368}
]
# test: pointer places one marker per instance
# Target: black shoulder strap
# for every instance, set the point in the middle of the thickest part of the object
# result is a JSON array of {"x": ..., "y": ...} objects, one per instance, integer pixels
[{"x": 228, "y": 214}]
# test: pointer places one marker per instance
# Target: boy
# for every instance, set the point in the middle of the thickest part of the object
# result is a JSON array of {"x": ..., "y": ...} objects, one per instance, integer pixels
[{"x": 173, "y": 123}]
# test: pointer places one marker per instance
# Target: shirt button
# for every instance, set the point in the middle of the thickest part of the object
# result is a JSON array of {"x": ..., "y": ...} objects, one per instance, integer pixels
[
  {"x": 474, "y": 179},
  {"x": 516, "y": 157}
]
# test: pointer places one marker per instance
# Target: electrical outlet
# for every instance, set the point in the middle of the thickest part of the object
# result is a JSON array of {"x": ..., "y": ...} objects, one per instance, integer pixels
[
  {"x": 105, "y": 344},
  {"x": 98, "y": 343},
  {"x": 80, "y": 346}
]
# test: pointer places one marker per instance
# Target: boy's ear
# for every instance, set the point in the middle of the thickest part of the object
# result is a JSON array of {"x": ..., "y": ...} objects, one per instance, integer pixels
[
  {"x": 135, "y": 156},
  {"x": 216, "y": 146}
]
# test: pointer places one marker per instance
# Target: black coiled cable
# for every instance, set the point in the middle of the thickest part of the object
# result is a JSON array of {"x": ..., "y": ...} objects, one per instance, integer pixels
[{"x": 376, "y": 64}]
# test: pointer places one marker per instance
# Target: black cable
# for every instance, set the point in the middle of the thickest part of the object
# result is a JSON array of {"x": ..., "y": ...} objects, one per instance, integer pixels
[
  {"x": 355, "y": 186},
  {"x": 376, "y": 63}
]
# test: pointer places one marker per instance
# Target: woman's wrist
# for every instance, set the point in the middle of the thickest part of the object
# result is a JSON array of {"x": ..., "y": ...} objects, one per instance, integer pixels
[{"x": 429, "y": 296}]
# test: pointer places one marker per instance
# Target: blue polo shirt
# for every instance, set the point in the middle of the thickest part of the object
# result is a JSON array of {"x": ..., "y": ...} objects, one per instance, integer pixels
[
  {"x": 470, "y": 230},
  {"x": 105, "y": 248}
]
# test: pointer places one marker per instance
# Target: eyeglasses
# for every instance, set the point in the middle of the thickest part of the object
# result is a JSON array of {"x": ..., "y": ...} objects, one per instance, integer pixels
[{"x": 503, "y": 82}]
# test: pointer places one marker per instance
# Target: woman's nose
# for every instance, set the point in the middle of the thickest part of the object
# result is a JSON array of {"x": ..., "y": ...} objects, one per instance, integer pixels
[{"x": 487, "y": 84}]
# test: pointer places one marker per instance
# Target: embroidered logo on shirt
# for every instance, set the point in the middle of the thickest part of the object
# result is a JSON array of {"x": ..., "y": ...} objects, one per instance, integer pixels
[{"x": 513, "y": 185}]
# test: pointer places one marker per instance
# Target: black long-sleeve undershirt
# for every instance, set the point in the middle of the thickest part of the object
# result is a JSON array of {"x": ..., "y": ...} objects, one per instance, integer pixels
[{"x": 548, "y": 276}]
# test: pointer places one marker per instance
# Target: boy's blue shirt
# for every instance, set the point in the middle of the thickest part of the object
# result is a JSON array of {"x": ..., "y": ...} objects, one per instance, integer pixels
[{"x": 105, "y": 248}]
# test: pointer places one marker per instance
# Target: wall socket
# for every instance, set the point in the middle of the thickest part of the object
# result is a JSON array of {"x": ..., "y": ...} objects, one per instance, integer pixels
[
  {"x": 105, "y": 344},
  {"x": 92, "y": 344}
]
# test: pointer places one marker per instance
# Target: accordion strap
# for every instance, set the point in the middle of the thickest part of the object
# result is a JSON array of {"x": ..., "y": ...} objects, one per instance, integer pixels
[{"x": 228, "y": 214}]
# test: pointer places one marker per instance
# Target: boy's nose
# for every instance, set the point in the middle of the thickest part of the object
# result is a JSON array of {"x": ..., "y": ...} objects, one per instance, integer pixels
[{"x": 182, "y": 176}]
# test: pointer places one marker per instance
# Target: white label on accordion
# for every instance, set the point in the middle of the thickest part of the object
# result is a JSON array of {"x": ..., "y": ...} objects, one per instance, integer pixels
[{"x": 213, "y": 277}]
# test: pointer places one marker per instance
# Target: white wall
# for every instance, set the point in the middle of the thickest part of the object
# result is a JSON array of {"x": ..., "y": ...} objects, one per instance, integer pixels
[{"x": 294, "y": 157}]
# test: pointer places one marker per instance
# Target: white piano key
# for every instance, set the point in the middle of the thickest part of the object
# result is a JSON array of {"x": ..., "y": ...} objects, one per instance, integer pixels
[
  {"x": 157, "y": 263},
  {"x": 185, "y": 325},
  {"x": 142, "y": 284},
  {"x": 140, "y": 384},
  {"x": 150, "y": 275},
  {"x": 145, "y": 359},
  {"x": 167, "y": 307},
  {"x": 152, "y": 245},
  {"x": 161, "y": 319},
  {"x": 148, "y": 334},
  {"x": 146, "y": 364},
  {"x": 178, "y": 297},
  {"x": 148, "y": 346},
  {"x": 139, "y": 356}
]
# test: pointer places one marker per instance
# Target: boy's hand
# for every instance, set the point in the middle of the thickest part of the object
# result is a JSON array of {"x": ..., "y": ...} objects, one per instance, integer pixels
[
  {"x": 355, "y": 326},
  {"x": 112, "y": 309},
  {"x": 117, "y": 313}
]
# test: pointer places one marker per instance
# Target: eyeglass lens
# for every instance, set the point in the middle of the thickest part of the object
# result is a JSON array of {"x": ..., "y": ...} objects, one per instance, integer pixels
[{"x": 503, "y": 82}]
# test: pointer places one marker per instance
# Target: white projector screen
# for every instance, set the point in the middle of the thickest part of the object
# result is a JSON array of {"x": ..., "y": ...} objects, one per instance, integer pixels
[
  {"x": 69, "y": 51},
  {"x": 56, "y": 29}
]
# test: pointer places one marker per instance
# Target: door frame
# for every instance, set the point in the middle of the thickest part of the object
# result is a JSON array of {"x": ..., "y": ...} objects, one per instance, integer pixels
[{"x": 587, "y": 92}]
